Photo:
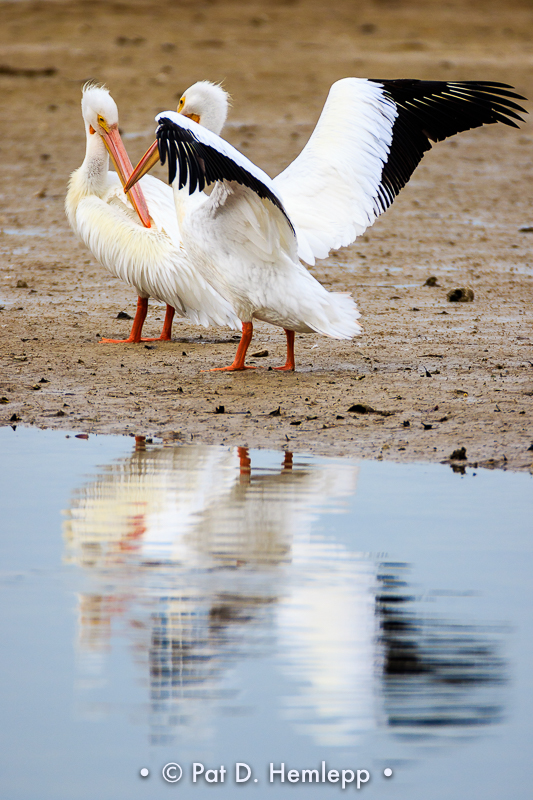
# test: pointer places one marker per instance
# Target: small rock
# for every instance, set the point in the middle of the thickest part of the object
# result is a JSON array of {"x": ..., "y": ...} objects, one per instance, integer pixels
[
  {"x": 406, "y": 423},
  {"x": 60, "y": 413},
  {"x": 44, "y": 380},
  {"x": 220, "y": 410},
  {"x": 530, "y": 447},
  {"x": 82, "y": 436},
  {"x": 4, "y": 401},
  {"x": 426, "y": 426},
  {"x": 149, "y": 347},
  {"x": 296, "y": 422},
  {"x": 123, "y": 315},
  {"x": 14, "y": 418},
  {"x": 36, "y": 387},
  {"x": 431, "y": 281},
  {"x": 260, "y": 354},
  {"x": 21, "y": 284},
  {"x": 462, "y": 295},
  {"x": 339, "y": 417},
  {"x": 526, "y": 229},
  {"x": 276, "y": 412},
  {"x": 459, "y": 454},
  {"x": 361, "y": 408}
]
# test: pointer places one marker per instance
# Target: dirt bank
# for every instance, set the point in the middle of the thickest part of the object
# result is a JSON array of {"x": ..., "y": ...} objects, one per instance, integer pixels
[{"x": 448, "y": 375}]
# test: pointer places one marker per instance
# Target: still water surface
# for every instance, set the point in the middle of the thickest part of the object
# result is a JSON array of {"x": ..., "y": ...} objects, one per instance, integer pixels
[{"x": 217, "y": 605}]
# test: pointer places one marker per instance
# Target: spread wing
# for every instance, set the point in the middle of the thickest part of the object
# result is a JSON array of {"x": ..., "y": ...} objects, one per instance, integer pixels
[{"x": 368, "y": 141}]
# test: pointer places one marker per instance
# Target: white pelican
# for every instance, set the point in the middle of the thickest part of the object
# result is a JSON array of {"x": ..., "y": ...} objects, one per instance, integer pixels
[
  {"x": 147, "y": 256},
  {"x": 246, "y": 238}
]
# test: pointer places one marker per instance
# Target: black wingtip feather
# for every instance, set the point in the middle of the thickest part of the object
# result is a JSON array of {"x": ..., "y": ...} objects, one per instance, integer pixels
[
  {"x": 200, "y": 164},
  {"x": 431, "y": 111}
]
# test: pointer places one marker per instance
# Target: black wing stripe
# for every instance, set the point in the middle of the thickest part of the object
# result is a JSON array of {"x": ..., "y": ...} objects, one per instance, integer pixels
[
  {"x": 201, "y": 164},
  {"x": 433, "y": 111}
]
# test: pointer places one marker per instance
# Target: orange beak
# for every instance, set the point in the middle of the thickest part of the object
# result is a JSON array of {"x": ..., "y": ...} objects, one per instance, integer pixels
[
  {"x": 124, "y": 168},
  {"x": 149, "y": 160}
]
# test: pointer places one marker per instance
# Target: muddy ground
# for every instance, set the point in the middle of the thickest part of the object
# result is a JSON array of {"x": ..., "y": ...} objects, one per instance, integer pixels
[{"x": 448, "y": 375}]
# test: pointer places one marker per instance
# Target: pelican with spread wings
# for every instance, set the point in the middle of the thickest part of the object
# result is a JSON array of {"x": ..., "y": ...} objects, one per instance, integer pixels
[{"x": 248, "y": 236}]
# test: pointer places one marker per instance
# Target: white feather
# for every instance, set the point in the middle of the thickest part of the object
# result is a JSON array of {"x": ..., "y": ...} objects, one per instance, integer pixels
[
  {"x": 151, "y": 260},
  {"x": 330, "y": 189},
  {"x": 246, "y": 249}
]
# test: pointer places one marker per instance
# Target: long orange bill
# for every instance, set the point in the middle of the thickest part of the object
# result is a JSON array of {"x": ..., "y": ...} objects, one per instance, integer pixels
[
  {"x": 124, "y": 168},
  {"x": 149, "y": 160}
]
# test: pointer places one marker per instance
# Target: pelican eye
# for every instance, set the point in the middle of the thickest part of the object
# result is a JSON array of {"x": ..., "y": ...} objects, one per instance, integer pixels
[
  {"x": 102, "y": 122},
  {"x": 181, "y": 104}
]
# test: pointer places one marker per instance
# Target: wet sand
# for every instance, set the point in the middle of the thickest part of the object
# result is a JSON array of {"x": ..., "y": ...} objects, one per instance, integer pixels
[{"x": 448, "y": 375}]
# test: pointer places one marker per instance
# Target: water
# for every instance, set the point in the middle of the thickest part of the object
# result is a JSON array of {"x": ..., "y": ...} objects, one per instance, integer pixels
[
  {"x": 211, "y": 605},
  {"x": 27, "y": 231}
]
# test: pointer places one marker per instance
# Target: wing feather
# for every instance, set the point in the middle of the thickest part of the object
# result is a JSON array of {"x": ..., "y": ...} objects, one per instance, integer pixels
[
  {"x": 368, "y": 141},
  {"x": 197, "y": 157}
]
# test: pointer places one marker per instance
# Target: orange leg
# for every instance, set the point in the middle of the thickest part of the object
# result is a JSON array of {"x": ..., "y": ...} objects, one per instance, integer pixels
[
  {"x": 238, "y": 362},
  {"x": 287, "y": 461},
  {"x": 245, "y": 465},
  {"x": 138, "y": 322},
  {"x": 136, "y": 328},
  {"x": 289, "y": 364},
  {"x": 166, "y": 333}
]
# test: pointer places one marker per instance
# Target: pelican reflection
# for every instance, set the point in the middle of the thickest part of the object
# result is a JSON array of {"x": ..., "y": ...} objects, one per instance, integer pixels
[{"x": 202, "y": 560}]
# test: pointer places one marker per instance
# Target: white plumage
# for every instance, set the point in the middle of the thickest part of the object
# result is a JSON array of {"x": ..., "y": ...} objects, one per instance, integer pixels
[
  {"x": 150, "y": 259},
  {"x": 241, "y": 240},
  {"x": 329, "y": 189},
  {"x": 369, "y": 139},
  {"x": 246, "y": 238}
]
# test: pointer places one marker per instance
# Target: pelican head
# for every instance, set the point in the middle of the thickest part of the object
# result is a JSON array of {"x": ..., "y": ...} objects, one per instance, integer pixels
[
  {"x": 206, "y": 103},
  {"x": 100, "y": 114},
  {"x": 99, "y": 110}
]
